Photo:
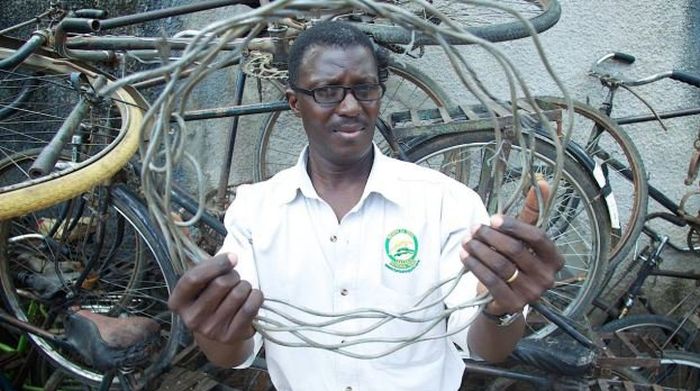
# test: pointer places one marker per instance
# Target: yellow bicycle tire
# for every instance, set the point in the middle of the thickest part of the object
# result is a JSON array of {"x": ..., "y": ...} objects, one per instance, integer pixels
[{"x": 40, "y": 193}]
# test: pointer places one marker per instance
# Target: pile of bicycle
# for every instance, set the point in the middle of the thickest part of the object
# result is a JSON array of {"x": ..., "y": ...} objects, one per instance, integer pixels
[{"x": 103, "y": 202}]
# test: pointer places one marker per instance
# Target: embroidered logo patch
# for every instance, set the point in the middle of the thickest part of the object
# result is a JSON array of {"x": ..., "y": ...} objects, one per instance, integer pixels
[{"x": 401, "y": 247}]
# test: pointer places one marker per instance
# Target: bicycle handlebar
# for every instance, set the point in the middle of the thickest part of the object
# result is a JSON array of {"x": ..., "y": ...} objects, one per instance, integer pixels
[
  {"x": 685, "y": 77},
  {"x": 604, "y": 76},
  {"x": 38, "y": 38}
]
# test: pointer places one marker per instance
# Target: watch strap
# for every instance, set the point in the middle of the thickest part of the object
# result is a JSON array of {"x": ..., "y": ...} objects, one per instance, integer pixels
[{"x": 502, "y": 320}]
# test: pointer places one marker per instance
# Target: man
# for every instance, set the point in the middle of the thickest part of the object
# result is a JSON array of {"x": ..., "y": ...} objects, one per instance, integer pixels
[{"x": 349, "y": 228}]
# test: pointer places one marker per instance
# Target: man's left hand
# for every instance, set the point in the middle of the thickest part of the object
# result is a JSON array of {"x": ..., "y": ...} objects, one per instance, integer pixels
[{"x": 514, "y": 260}]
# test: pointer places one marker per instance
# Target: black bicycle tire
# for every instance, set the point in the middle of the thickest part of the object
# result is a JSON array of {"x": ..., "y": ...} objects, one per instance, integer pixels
[
  {"x": 621, "y": 246},
  {"x": 134, "y": 213},
  {"x": 406, "y": 72},
  {"x": 388, "y": 35},
  {"x": 22, "y": 198},
  {"x": 597, "y": 211},
  {"x": 649, "y": 320}
]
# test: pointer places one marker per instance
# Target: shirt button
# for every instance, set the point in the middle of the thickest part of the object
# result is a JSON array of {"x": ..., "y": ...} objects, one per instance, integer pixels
[
  {"x": 344, "y": 292},
  {"x": 348, "y": 388},
  {"x": 334, "y": 238}
]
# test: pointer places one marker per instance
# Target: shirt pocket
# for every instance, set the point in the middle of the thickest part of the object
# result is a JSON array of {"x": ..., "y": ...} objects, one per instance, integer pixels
[{"x": 400, "y": 293}]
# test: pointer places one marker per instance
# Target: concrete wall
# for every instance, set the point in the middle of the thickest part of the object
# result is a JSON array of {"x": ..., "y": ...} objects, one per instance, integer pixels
[{"x": 663, "y": 35}]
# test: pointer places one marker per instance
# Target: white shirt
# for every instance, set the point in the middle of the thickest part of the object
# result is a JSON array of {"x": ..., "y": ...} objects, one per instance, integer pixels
[{"x": 290, "y": 245}]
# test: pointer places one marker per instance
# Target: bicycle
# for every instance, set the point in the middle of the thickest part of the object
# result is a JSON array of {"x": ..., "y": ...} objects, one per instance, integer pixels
[
  {"x": 638, "y": 352},
  {"x": 632, "y": 167},
  {"x": 641, "y": 353},
  {"x": 627, "y": 186},
  {"x": 96, "y": 249},
  {"x": 79, "y": 43},
  {"x": 495, "y": 26}
]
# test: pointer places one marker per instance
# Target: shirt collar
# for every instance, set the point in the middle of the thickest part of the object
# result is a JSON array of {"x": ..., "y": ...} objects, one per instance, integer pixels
[{"x": 383, "y": 179}]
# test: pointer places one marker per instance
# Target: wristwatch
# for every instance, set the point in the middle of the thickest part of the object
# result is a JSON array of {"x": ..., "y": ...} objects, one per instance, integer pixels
[{"x": 502, "y": 320}]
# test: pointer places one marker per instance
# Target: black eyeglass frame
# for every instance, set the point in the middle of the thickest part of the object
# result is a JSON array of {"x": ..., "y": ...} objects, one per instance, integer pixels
[{"x": 312, "y": 93}]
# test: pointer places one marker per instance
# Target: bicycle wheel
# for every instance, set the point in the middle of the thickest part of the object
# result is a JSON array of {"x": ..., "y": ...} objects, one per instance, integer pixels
[
  {"x": 678, "y": 370},
  {"x": 43, "y": 253},
  {"x": 489, "y": 23},
  {"x": 580, "y": 233},
  {"x": 647, "y": 334},
  {"x": 611, "y": 146},
  {"x": 35, "y": 99},
  {"x": 282, "y": 136}
]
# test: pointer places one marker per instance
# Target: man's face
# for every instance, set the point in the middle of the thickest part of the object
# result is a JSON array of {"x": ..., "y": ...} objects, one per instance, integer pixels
[{"x": 340, "y": 133}]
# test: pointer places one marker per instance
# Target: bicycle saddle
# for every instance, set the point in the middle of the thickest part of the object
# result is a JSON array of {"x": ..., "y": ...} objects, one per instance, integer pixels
[
  {"x": 558, "y": 353},
  {"x": 109, "y": 343}
]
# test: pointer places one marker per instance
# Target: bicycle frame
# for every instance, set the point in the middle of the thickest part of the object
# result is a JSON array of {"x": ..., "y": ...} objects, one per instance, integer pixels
[{"x": 650, "y": 257}]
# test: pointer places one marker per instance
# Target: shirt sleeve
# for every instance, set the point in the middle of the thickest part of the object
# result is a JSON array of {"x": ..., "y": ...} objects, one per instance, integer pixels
[
  {"x": 462, "y": 209},
  {"x": 239, "y": 240}
]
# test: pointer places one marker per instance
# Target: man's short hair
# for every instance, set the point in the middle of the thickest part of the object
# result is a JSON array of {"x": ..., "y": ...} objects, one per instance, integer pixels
[{"x": 334, "y": 34}]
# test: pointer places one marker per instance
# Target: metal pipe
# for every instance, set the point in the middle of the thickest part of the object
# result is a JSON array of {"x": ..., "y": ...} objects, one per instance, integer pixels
[
  {"x": 226, "y": 170},
  {"x": 497, "y": 372},
  {"x": 29, "y": 328},
  {"x": 223, "y": 112},
  {"x": 148, "y": 16},
  {"x": 664, "y": 115},
  {"x": 38, "y": 38},
  {"x": 76, "y": 25},
  {"x": 561, "y": 322},
  {"x": 33, "y": 20},
  {"x": 48, "y": 157},
  {"x": 675, "y": 274}
]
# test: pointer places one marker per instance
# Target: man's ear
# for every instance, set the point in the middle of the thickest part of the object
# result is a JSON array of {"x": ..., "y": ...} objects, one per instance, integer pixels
[{"x": 293, "y": 101}]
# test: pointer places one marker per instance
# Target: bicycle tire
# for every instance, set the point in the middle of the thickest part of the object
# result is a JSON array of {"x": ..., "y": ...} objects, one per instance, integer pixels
[
  {"x": 282, "y": 137},
  {"x": 34, "y": 194},
  {"x": 679, "y": 369},
  {"x": 630, "y": 197},
  {"x": 583, "y": 270},
  {"x": 488, "y": 24},
  {"x": 616, "y": 375},
  {"x": 658, "y": 333},
  {"x": 135, "y": 276}
]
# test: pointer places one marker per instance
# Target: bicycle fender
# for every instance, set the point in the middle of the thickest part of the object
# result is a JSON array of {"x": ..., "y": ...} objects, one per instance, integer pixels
[{"x": 597, "y": 171}]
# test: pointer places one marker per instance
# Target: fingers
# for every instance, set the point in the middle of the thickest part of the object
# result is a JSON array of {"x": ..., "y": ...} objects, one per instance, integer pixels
[
  {"x": 241, "y": 324},
  {"x": 501, "y": 253},
  {"x": 191, "y": 284},
  {"x": 508, "y": 299},
  {"x": 531, "y": 209},
  {"x": 210, "y": 300},
  {"x": 514, "y": 260},
  {"x": 533, "y": 237},
  {"x": 213, "y": 301}
]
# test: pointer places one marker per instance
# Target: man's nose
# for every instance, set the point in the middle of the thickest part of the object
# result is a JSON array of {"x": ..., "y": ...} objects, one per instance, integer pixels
[{"x": 349, "y": 106}]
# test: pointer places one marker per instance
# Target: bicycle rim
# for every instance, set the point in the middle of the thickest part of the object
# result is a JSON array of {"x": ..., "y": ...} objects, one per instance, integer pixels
[
  {"x": 41, "y": 253},
  {"x": 679, "y": 370},
  {"x": 649, "y": 333},
  {"x": 579, "y": 232},
  {"x": 626, "y": 174},
  {"x": 282, "y": 137},
  {"x": 489, "y": 23},
  {"x": 35, "y": 98}
]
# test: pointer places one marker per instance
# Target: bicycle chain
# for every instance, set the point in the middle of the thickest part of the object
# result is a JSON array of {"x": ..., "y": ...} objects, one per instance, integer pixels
[{"x": 259, "y": 65}]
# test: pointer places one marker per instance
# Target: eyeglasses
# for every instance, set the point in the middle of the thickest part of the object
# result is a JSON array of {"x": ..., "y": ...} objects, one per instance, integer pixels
[{"x": 335, "y": 94}]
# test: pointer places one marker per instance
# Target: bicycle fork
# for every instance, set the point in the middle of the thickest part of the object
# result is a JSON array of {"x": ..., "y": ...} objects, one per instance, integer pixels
[{"x": 651, "y": 257}]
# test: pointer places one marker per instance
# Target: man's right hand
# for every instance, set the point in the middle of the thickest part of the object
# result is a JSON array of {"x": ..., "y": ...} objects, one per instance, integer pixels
[{"x": 215, "y": 303}]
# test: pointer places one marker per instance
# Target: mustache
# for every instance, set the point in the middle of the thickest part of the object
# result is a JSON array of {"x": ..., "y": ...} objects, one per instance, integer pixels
[{"x": 349, "y": 123}]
